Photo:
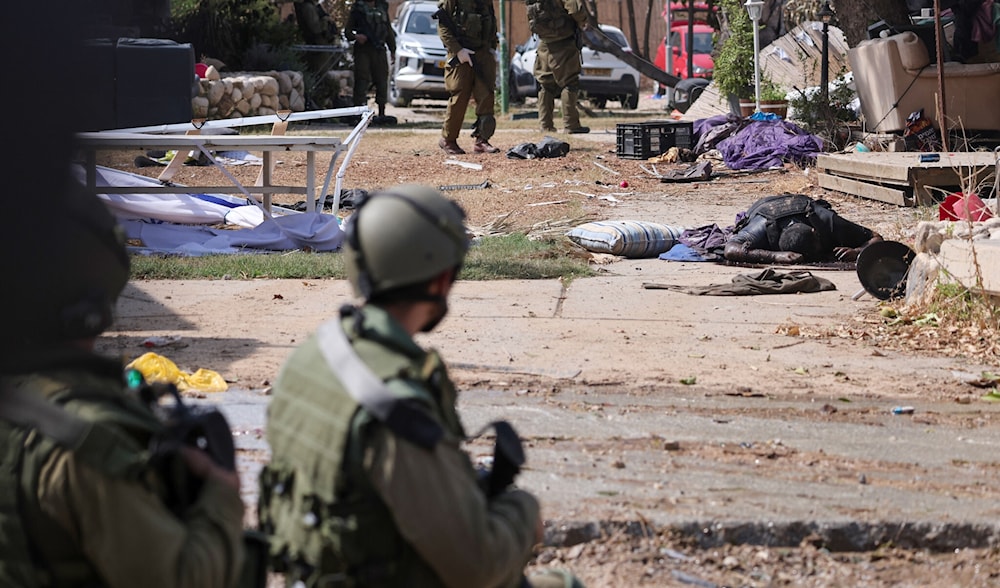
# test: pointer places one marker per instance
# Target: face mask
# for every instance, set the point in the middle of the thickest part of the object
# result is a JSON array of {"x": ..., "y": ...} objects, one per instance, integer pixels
[{"x": 434, "y": 322}]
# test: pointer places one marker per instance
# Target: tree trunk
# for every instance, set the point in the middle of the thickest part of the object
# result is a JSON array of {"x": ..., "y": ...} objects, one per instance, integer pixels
[
  {"x": 772, "y": 25},
  {"x": 855, "y": 16},
  {"x": 634, "y": 37},
  {"x": 645, "y": 34},
  {"x": 771, "y": 22}
]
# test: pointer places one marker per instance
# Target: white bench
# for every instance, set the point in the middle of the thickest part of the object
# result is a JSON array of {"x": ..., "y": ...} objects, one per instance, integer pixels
[{"x": 152, "y": 139}]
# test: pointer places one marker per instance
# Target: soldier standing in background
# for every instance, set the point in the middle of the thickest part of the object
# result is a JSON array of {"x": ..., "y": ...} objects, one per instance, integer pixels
[
  {"x": 368, "y": 26},
  {"x": 558, "y": 63},
  {"x": 468, "y": 29}
]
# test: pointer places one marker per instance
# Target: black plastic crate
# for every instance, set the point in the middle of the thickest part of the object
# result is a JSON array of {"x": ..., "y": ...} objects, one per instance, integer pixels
[{"x": 651, "y": 138}]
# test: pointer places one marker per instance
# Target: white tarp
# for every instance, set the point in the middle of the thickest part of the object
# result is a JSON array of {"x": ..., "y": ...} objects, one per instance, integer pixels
[
  {"x": 173, "y": 223},
  {"x": 192, "y": 209}
]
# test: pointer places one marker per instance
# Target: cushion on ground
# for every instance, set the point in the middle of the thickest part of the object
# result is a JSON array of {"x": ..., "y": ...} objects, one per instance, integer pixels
[{"x": 626, "y": 238}]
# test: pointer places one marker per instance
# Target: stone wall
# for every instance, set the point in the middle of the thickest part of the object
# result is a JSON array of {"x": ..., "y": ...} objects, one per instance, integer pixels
[{"x": 235, "y": 95}]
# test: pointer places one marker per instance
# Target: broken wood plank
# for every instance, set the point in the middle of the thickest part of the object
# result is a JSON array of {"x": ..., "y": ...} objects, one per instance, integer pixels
[
  {"x": 882, "y": 168},
  {"x": 865, "y": 189}
]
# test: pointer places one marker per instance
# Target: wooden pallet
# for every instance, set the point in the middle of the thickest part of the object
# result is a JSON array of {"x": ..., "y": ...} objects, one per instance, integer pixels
[{"x": 902, "y": 179}]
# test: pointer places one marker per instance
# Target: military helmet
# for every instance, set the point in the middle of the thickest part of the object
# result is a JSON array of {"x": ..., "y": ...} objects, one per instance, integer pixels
[
  {"x": 64, "y": 260},
  {"x": 67, "y": 264},
  {"x": 402, "y": 237}
]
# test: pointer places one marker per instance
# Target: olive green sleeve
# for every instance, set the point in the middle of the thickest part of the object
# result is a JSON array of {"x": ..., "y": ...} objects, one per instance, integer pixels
[
  {"x": 448, "y": 38},
  {"x": 440, "y": 510},
  {"x": 577, "y": 10},
  {"x": 131, "y": 537}
]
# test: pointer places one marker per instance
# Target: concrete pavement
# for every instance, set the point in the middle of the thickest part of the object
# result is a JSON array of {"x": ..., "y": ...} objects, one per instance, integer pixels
[{"x": 773, "y": 436}]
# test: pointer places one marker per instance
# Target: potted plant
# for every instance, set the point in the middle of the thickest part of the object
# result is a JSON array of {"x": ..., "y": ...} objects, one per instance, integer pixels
[
  {"x": 773, "y": 98},
  {"x": 733, "y": 74}
]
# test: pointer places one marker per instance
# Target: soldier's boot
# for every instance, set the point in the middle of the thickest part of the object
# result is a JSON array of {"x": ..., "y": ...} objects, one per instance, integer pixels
[
  {"x": 571, "y": 114},
  {"x": 546, "y": 108}
]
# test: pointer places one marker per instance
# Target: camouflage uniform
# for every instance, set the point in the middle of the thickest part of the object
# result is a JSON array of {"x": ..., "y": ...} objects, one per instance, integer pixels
[
  {"x": 97, "y": 517},
  {"x": 558, "y": 61},
  {"x": 371, "y": 18},
  {"x": 347, "y": 500},
  {"x": 477, "y": 31}
]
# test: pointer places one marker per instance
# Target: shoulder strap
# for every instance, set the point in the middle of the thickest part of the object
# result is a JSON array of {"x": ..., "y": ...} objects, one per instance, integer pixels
[
  {"x": 29, "y": 411},
  {"x": 403, "y": 417},
  {"x": 101, "y": 447}
]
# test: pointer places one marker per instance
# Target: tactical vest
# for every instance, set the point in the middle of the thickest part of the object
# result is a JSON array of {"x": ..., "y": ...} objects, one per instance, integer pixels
[
  {"x": 376, "y": 21},
  {"x": 114, "y": 445},
  {"x": 550, "y": 20},
  {"x": 315, "y": 499},
  {"x": 776, "y": 208},
  {"x": 475, "y": 21}
]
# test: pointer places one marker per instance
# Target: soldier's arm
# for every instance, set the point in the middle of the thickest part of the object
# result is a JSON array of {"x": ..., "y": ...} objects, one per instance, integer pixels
[
  {"x": 448, "y": 38},
  {"x": 578, "y": 11},
  {"x": 741, "y": 252},
  {"x": 356, "y": 25},
  {"x": 440, "y": 510},
  {"x": 133, "y": 539}
]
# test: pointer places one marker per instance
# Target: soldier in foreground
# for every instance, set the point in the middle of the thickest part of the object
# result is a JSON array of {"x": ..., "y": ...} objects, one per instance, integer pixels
[
  {"x": 368, "y": 484},
  {"x": 81, "y": 503}
]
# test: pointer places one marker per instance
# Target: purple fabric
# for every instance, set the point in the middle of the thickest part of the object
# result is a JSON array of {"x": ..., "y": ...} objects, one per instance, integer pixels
[{"x": 768, "y": 144}]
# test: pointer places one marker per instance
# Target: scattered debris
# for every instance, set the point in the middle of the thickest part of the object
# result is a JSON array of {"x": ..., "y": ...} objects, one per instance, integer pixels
[
  {"x": 902, "y": 410},
  {"x": 606, "y": 168},
  {"x": 483, "y": 185},
  {"x": 465, "y": 164},
  {"x": 548, "y": 203},
  {"x": 164, "y": 341}
]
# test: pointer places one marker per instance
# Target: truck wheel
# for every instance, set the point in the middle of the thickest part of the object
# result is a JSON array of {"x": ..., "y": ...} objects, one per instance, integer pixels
[
  {"x": 398, "y": 98},
  {"x": 630, "y": 101}
]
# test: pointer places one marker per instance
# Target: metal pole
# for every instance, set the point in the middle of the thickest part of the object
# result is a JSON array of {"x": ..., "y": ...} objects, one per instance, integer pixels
[
  {"x": 690, "y": 39},
  {"x": 504, "y": 61},
  {"x": 941, "y": 112},
  {"x": 756, "y": 63},
  {"x": 824, "y": 73},
  {"x": 668, "y": 51}
]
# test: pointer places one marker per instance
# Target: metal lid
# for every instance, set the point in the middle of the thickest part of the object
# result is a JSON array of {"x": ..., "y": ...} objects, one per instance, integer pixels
[{"x": 883, "y": 267}]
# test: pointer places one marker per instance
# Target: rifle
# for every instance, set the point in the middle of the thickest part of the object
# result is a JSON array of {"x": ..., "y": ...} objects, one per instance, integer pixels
[
  {"x": 445, "y": 18},
  {"x": 508, "y": 457}
]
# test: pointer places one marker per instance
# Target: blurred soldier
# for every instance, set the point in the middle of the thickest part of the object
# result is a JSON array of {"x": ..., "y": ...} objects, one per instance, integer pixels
[
  {"x": 794, "y": 228},
  {"x": 468, "y": 29},
  {"x": 315, "y": 24},
  {"x": 80, "y": 502},
  {"x": 558, "y": 63},
  {"x": 368, "y": 484},
  {"x": 368, "y": 26}
]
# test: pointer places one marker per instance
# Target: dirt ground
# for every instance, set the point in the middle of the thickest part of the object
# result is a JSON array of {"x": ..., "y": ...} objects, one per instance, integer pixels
[{"x": 548, "y": 196}]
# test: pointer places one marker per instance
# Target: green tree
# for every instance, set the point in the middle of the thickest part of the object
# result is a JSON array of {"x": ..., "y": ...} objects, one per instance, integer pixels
[
  {"x": 734, "y": 63},
  {"x": 231, "y": 30}
]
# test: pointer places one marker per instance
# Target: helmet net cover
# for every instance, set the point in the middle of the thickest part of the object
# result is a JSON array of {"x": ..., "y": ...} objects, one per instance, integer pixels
[
  {"x": 68, "y": 264},
  {"x": 64, "y": 261},
  {"x": 402, "y": 237}
]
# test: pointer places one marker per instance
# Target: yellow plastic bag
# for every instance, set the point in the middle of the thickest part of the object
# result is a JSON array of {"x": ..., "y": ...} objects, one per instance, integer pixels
[{"x": 156, "y": 368}]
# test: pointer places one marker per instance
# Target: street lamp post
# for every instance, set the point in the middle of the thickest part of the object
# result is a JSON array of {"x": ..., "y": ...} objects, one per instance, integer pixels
[
  {"x": 754, "y": 8},
  {"x": 825, "y": 15}
]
